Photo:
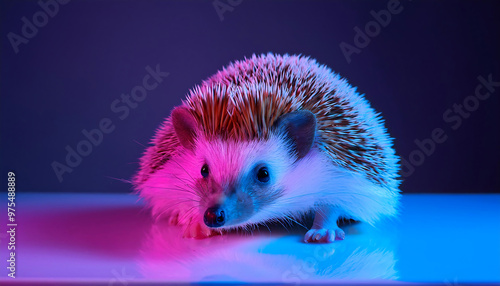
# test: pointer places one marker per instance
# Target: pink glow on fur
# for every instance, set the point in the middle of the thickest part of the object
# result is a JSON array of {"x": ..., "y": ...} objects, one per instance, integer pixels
[{"x": 172, "y": 191}]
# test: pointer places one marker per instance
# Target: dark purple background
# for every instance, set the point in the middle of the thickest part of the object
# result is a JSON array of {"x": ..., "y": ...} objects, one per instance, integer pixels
[{"x": 65, "y": 79}]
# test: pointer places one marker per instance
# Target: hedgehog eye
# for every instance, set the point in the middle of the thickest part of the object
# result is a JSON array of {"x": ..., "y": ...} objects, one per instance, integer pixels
[
  {"x": 263, "y": 175},
  {"x": 204, "y": 171}
]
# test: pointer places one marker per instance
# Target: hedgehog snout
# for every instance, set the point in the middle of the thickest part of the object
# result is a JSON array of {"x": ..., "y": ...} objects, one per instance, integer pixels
[{"x": 214, "y": 216}]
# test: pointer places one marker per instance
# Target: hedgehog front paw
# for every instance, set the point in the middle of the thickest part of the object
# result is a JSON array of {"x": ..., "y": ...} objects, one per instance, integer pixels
[
  {"x": 324, "y": 235},
  {"x": 173, "y": 218},
  {"x": 199, "y": 231}
]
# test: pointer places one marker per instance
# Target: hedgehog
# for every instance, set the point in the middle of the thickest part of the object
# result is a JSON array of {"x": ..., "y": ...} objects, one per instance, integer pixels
[{"x": 271, "y": 138}]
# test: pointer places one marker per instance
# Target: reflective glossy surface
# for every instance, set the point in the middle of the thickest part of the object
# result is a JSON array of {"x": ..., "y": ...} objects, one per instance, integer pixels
[{"x": 110, "y": 238}]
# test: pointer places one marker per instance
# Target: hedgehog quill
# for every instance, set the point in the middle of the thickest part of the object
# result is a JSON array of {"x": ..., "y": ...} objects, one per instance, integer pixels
[{"x": 271, "y": 138}]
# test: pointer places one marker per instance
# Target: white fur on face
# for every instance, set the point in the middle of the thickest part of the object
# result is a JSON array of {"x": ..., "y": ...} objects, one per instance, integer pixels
[
  {"x": 294, "y": 187},
  {"x": 314, "y": 181}
]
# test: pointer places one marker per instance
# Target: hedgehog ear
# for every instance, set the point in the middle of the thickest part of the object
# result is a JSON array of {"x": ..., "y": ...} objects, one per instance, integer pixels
[
  {"x": 300, "y": 128},
  {"x": 185, "y": 126}
]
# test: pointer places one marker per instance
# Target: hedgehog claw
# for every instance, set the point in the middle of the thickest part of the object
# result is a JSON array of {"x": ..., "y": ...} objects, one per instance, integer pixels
[
  {"x": 173, "y": 219},
  {"x": 199, "y": 231},
  {"x": 324, "y": 235}
]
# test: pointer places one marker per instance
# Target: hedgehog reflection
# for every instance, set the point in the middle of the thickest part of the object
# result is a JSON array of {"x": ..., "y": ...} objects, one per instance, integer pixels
[{"x": 262, "y": 257}]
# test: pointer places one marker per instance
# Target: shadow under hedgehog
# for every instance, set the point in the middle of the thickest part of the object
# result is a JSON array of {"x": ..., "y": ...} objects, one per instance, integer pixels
[{"x": 271, "y": 138}]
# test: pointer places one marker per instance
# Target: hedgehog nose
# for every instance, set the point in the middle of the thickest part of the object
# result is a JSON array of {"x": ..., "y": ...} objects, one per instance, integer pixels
[{"x": 214, "y": 216}]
